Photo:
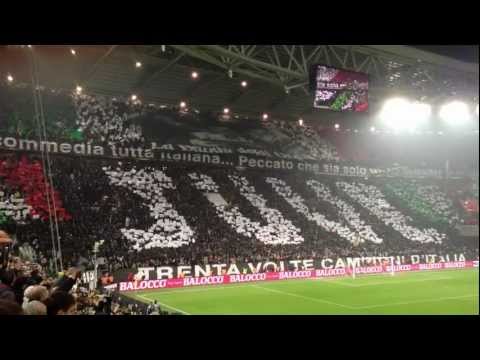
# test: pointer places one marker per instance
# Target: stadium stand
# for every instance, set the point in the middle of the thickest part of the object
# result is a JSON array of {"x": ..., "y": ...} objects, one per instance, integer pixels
[{"x": 153, "y": 213}]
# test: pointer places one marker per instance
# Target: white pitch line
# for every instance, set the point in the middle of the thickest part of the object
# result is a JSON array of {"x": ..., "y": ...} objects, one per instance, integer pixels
[
  {"x": 186, "y": 290},
  {"x": 417, "y": 302},
  {"x": 168, "y": 306},
  {"x": 304, "y": 297}
]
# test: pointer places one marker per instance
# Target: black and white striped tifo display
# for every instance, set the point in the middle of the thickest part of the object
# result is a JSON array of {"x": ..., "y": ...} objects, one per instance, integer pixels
[{"x": 347, "y": 202}]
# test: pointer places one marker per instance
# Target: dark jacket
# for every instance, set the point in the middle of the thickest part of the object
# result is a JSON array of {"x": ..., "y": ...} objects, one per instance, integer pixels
[
  {"x": 6, "y": 293},
  {"x": 65, "y": 283}
]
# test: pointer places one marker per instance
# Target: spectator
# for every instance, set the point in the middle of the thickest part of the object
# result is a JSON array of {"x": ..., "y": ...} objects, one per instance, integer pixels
[
  {"x": 19, "y": 285},
  {"x": 6, "y": 280},
  {"x": 101, "y": 308},
  {"x": 154, "y": 308},
  {"x": 36, "y": 293},
  {"x": 66, "y": 282},
  {"x": 8, "y": 307},
  {"x": 60, "y": 303},
  {"x": 35, "y": 278},
  {"x": 34, "y": 308}
]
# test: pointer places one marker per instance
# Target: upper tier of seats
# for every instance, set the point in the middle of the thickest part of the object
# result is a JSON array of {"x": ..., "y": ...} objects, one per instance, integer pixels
[{"x": 123, "y": 122}]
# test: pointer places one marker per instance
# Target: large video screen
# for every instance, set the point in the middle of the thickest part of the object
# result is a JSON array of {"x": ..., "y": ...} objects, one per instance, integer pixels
[{"x": 340, "y": 90}]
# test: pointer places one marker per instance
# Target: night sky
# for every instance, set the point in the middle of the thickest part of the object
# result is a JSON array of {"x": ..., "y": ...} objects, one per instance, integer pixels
[{"x": 468, "y": 53}]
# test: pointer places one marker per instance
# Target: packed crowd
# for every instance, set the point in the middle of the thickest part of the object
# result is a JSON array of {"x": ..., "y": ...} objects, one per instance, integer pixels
[
  {"x": 113, "y": 122},
  {"x": 123, "y": 121},
  {"x": 230, "y": 214},
  {"x": 276, "y": 231},
  {"x": 425, "y": 200},
  {"x": 279, "y": 231},
  {"x": 108, "y": 121},
  {"x": 303, "y": 141},
  {"x": 370, "y": 197},
  {"x": 169, "y": 216},
  {"x": 348, "y": 212},
  {"x": 27, "y": 177},
  {"x": 128, "y": 122},
  {"x": 170, "y": 229},
  {"x": 27, "y": 289},
  {"x": 298, "y": 203},
  {"x": 180, "y": 214},
  {"x": 12, "y": 206},
  {"x": 229, "y": 217},
  {"x": 146, "y": 214}
]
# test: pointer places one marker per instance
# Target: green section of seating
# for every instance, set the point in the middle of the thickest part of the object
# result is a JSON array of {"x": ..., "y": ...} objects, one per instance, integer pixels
[
  {"x": 411, "y": 196},
  {"x": 18, "y": 112},
  {"x": 3, "y": 218}
]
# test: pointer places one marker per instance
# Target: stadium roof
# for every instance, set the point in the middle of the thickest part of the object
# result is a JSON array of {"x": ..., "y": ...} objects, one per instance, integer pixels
[
  {"x": 277, "y": 75},
  {"x": 467, "y": 53}
]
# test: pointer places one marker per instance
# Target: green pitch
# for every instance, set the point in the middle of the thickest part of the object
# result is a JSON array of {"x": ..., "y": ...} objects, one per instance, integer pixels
[{"x": 440, "y": 292}]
